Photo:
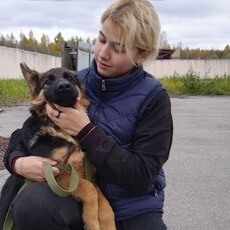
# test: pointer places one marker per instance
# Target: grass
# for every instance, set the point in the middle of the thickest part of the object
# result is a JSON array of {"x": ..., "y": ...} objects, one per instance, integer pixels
[
  {"x": 13, "y": 91},
  {"x": 16, "y": 90}
]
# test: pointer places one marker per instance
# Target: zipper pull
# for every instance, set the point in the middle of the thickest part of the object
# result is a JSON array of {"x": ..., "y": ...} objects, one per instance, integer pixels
[
  {"x": 155, "y": 193},
  {"x": 103, "y": 86}
]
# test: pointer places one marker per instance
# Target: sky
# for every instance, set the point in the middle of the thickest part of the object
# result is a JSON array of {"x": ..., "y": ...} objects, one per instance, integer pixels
[{"x": 201, "y": 24}]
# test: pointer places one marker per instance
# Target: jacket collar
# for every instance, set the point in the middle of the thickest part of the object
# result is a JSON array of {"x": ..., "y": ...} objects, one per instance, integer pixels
[{"x": 115, "y": 85}]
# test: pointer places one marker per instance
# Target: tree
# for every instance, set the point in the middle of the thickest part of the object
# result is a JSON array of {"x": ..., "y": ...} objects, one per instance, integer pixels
[
  {"x": 58, "y": 42},
  {"x": 9, "y": 40},
  {"x": 213, "y": 54},
  {"x": 2, "y": 40},
  {"x": 32, "y": 40},
  {"x": 88, "y": 40},
  {"x": 44, "y": 42},
  {"x": 94, "y": 41},
  {"x": 164, "y": 41},
  {"x": 226, "y": 52},
  {"x": 59, "y": 38},
  {"x": 23, "y": 41},
  {"x": 73, "y": 41},
  {"x": 179, "y": 46}
]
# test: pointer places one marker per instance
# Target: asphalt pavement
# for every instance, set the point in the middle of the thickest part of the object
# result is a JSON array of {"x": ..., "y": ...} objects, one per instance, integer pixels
[{"x": 197, "y": 196}]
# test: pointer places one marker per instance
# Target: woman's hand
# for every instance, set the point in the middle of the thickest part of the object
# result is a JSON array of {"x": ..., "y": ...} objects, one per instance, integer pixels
[
  {"x": 70, "y": 120},
  {"x": 31, "y": 167}
]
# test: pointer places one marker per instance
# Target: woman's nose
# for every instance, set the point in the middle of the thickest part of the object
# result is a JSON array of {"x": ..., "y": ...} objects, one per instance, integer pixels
[{"x": 105, "y": 52}]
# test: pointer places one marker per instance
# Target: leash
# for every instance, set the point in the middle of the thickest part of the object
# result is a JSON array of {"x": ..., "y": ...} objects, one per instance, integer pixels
[
  {"x": 88, "y": 169},
  {"x": 55, "y": 187}
]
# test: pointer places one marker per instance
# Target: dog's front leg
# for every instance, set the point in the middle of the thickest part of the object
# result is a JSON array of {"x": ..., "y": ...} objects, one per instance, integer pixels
[
  {"x": 87, "y": 194},
  {"x": 105, "y": 212}
]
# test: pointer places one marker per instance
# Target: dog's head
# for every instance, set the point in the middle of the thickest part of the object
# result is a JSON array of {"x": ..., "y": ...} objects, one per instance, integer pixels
[{"x": 56, "y": 86}]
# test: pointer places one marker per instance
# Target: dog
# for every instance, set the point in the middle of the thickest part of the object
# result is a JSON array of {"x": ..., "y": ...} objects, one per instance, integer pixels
[{"x": 41, "y": 137}]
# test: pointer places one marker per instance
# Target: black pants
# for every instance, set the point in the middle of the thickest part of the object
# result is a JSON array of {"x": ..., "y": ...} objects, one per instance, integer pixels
[{"x": 38, "y": 208}]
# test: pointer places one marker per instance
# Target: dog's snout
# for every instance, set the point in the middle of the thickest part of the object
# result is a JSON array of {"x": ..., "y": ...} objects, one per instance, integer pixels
[
  {"x": 62, "y": 93},
  {"x": 62, "y": 86}
]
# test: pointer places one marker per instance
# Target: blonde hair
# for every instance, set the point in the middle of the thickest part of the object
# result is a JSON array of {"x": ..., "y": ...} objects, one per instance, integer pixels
[{"x": 138, "y": 25}]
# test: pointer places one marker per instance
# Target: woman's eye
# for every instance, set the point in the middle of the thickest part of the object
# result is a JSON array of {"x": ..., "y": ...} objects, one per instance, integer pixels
[
  {"x": 101, "y": 38},
  {"x": 119, "y": 49},
  {"x": 116, "y": 50},
  {"x": 102, "y": 41}
]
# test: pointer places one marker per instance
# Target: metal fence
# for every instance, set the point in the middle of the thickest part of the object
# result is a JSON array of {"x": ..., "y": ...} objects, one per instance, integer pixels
[{"x": 77, "y": 57}]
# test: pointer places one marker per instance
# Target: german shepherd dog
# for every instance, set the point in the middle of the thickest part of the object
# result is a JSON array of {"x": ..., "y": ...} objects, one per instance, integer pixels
[{"x": 41, "y": 137}]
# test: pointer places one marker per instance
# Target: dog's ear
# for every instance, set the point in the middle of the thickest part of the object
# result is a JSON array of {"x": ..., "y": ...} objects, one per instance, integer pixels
[{"x": 31, "y": 77}]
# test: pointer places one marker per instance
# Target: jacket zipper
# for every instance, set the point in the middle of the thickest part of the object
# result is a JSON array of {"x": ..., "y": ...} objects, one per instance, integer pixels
[{"x": 103, "y": 86}]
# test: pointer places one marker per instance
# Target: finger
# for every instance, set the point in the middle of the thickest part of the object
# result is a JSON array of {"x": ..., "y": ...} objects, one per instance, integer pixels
[
  {"x": 78, "y": 106},
  {"x": 60, "y": 108},
  {"x": 56, "y": 171},
  {"x": 77, "y": 102},
  {"x": 49, "y": 107},
  {"x": 51, "y": 111}
]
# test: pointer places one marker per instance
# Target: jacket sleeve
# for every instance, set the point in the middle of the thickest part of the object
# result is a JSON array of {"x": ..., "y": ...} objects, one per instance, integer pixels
[
  {"x": 14, "y": 150},
  {"x": 137, "y": 168}
]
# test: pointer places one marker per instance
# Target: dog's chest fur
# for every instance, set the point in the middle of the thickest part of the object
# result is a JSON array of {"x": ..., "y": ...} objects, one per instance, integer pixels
[{"x": 42, "y": 137}]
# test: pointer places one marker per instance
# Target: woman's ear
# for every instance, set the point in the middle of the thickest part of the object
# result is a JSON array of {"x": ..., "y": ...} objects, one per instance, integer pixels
[{"x": 142, "y": 56}]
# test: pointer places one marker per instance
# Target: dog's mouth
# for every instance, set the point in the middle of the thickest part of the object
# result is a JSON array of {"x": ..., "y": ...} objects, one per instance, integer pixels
[
  {"x": 63, "y": 100},
  {"x": 63, "y": 94}
]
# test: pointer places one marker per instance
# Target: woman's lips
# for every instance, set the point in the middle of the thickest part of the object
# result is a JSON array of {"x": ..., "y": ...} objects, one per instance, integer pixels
[{"x": 102, "y": 65}]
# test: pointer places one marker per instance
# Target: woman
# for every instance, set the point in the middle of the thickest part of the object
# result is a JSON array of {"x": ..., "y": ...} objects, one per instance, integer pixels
[{"x": 127, "y": 133}]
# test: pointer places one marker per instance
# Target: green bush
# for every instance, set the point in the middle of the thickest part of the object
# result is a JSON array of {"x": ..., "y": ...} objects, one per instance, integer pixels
[
  {"x": 192, "y": 84},
  {"x": 173, "y": 84}
]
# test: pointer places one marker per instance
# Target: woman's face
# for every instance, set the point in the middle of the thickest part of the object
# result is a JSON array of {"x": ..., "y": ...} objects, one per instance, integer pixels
[{"x": 110, "y": 61}]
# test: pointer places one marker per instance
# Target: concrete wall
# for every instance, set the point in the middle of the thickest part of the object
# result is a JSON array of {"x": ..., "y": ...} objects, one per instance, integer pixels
[
  {"x": 11, "y": 57},
  {"x": 205, "y": 68}
]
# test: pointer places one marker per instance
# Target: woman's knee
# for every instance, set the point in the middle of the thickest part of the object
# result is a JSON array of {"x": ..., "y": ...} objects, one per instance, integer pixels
[{"x": 37, "y": 203}]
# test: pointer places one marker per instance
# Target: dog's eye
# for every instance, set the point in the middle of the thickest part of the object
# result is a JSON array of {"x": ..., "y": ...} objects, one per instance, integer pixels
[
  {"x": 70, "y": 79},
  {"x": 48, "y": 82}
]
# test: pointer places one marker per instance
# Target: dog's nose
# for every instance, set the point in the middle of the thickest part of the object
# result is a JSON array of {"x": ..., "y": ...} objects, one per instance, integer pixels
[{"x": 62, "y": 86}]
